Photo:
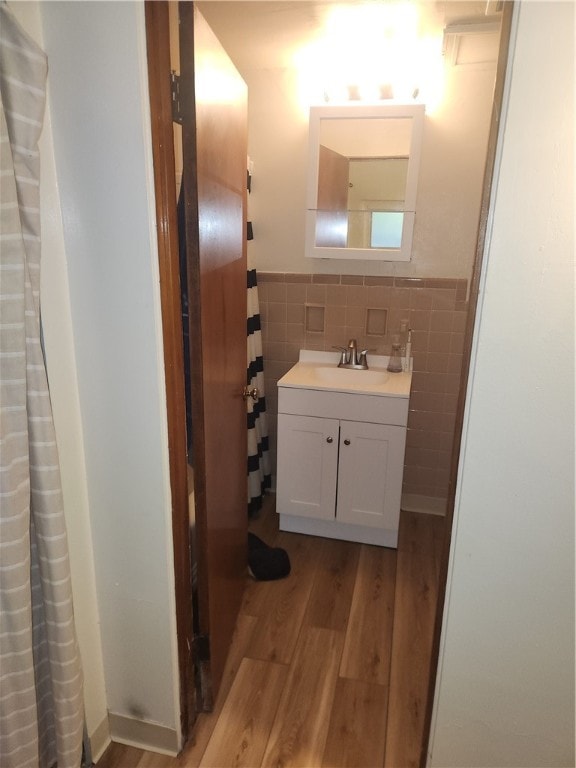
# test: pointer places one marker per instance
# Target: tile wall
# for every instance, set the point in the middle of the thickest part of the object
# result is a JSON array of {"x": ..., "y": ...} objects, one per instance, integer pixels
[{"x": 304, "y": 311}]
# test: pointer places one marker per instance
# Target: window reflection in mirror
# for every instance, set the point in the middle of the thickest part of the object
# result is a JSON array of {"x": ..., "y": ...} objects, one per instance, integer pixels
[
  {"x": 364, "y": 165},
  {"x": 376, "y": 194}
]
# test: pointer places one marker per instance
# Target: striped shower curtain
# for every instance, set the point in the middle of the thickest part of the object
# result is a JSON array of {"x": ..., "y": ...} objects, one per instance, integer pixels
[
  {"x": 259, "y": 477},
  {"x": 41, "y": 707}
]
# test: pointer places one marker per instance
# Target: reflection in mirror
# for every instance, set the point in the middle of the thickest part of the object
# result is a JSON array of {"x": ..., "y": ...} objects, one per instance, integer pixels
[
  {"x": 363, "y": 175},
  {"x": 376, "y": 192}
]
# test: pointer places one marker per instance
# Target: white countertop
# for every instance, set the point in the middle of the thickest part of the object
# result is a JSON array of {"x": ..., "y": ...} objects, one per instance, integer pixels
[{"x": 319, "y": 370}]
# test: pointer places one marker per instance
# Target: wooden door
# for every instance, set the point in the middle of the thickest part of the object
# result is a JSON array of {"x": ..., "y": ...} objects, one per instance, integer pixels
[
  {"x": 214, "y": 99},
  {"x": 332, "y": 213}
]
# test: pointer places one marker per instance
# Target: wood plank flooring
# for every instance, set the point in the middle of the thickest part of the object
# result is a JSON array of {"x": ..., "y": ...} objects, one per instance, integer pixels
[{"x": 329, "y": 667}]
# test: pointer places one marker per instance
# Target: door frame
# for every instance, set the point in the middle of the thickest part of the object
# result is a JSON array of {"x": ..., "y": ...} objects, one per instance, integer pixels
[
  {"x": 497, "y": 104},
  {"x": 158, "y": 56}
]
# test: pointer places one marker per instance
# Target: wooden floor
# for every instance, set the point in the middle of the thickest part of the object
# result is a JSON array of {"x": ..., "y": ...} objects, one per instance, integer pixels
[{"x": 328, "y": 667}]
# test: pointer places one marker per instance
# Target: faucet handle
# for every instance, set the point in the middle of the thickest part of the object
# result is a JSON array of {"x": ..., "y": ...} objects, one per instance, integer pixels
[
  {"x": 343, "y": 351},
  {"x": 362, "y": 358}
]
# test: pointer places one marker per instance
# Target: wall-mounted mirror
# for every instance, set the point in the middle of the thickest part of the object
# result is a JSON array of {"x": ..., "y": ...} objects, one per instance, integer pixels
[{"x": 362, "y": 181}]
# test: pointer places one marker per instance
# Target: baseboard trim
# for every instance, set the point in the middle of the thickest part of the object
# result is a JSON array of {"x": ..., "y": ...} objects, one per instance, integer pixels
[
  {"x": 332, "y": 529},
  {"x": 100, "y": 739},
  {"x": 144, "y": 735},
  {"x": 428, "y": 505}
]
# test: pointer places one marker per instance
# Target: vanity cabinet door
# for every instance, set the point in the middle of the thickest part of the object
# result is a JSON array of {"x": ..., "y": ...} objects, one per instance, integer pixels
[
  {"x": 370, "y": 474},
  {"x": 307, "y": 466}
]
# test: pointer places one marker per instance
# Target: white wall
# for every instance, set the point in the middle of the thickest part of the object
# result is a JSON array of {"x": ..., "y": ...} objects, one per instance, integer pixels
[
  {"x": 100, "y": 119},
  {"x": 505, "y": 694},
  {"x": 61, "y": 362}
]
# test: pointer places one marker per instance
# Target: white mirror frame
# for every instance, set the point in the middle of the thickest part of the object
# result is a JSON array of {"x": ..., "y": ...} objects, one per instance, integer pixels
[{"x": 348, "y": 111}]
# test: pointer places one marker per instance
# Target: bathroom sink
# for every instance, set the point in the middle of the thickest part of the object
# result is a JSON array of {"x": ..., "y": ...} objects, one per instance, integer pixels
[
  {"x": 319, "y": 370},
  {"x": 349, "y": 376}
]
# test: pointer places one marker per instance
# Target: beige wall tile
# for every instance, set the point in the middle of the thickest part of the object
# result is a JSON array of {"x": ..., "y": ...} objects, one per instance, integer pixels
[
  {"x": 295, "y": 334},
  {"x": 274, "y": 350},
  {"x": 420, "y": 298},
  {"x": 335, "y": 316},
  {"x": 419, "y": 360},
  {"x": 314, "y": 341},
  {"x": 400, "y": 298},
  {"x": 377, "y": 280},
  {"x": 457, "y": 343},
  {"x": 459, "y": 322},
  {"x": 276, "y": 312},
  {"x": 298, "y": 277},
  {"x": 437, "y": 362},
  {"x": 335, "y": 336},
  {"x": 316, "y": 294},
  {"x": 276, "y": 369},
  {"x": 356, "y": 317},
  {"x": 427, "y": 401},
  {"x": 378, "y": 296},
  {"x": 441, "y": 320},
  {"x": 355, "y": 296},
  {"x": 326, "y": 279},
  {"x": 439, "y": 342},
  {"x": 454, "y": 364},
  {"x": 295, "y": 313},
  {"x": 276, "y": 332},
  {"x": 427, "y": 420},
  {"x": 293, "y": 352},
  {"x": 296, "y": 293},
  {"x": 275, "y": 292},
  {"x": 450, "y": 402},
  {"x": 429, "y": 458},
  {"x": 443, "y": 298},
  {"x": 336, "y": 295},
  {"x": 395, "y": 317},
  {"x": 419, "y": 319},
  {"x": 452, "y": 385}
]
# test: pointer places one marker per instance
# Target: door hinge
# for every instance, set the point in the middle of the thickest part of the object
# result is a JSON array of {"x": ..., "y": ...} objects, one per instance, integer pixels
[
  {"x": 201, "y": 648},
  {"x": 203, "y": 676},
  {"x": 176, "y": 105}
]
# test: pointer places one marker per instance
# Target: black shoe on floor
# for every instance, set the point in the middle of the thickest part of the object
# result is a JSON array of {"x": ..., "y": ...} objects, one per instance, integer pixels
[{"x": 266, "y": 563}]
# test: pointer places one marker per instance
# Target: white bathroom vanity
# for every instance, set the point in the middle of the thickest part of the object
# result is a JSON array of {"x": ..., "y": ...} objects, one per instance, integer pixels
[{"x": 341, "y": 441}]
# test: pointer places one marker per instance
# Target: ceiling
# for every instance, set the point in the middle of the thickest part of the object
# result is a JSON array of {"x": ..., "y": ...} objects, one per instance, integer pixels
[{"x": 265, "y": 35}]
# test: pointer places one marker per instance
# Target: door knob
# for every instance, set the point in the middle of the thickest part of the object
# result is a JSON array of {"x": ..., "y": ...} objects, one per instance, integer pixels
[
  {"x": 346, "y": 442},
  {"x": 328, "y": 439},
  {"x": 250, "y": 392}
]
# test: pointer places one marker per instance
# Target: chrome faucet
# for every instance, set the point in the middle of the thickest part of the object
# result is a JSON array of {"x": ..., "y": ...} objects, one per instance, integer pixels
[{"x": 351, "y": 358}]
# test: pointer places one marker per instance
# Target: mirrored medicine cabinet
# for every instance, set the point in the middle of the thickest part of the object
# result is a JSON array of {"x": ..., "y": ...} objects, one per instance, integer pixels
[{"x": 362, "y": 181}]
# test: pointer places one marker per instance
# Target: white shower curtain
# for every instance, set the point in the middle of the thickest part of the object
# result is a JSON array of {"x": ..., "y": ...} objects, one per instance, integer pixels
[{"x": 41, "y": 707}]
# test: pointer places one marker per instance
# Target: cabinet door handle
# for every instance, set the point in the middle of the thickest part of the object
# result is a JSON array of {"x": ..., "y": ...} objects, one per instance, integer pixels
[
  {"x": 346, "y": 442},
  {"x": 329, "y": 440}
]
